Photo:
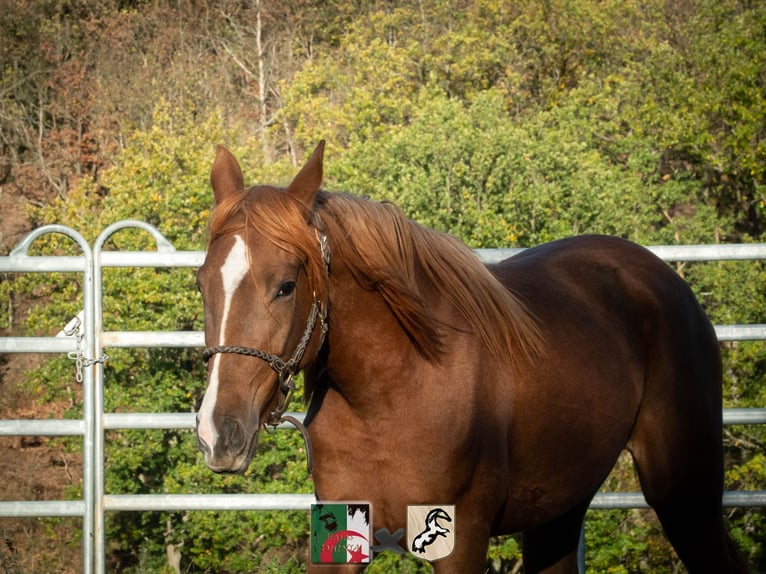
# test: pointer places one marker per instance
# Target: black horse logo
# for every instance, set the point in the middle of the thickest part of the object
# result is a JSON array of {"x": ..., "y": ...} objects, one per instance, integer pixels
[
  {"x": 330, "y": 521},
  {"x": 432, "y": 531}
]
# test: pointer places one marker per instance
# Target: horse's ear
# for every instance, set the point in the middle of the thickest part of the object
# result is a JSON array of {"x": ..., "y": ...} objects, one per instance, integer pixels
[
  {"x": 225, "y": 175},
  {"x": 306, "y": 184}
]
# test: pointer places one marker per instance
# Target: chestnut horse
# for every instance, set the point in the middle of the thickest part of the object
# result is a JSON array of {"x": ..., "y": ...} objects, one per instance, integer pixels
[{"x": 507, "y": 390}]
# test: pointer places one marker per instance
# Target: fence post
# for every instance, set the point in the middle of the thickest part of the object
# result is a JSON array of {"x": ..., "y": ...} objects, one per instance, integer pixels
[
  {"x": 99, "y": 517},
  {"x": 85, "y": 367}
]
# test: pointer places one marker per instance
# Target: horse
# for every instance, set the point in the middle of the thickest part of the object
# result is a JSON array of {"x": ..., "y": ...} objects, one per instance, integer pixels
[{"x": 508, "y": 390}]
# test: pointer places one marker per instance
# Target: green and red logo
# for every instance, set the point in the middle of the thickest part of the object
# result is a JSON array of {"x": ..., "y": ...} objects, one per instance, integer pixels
[{"x": 340, "y": 533}]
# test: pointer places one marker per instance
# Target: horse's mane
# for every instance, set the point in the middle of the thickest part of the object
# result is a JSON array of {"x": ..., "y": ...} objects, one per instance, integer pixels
[{"x": 391, "y": 254}]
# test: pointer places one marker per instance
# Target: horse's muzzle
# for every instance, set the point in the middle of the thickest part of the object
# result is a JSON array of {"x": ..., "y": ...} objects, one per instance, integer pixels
[{"x": 233, "y": 448}]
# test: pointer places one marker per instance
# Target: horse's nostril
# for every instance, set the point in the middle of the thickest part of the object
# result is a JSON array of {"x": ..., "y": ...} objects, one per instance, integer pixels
[
  {"x": 203, "y": 446},
  {"x": 232, "y": 434}
]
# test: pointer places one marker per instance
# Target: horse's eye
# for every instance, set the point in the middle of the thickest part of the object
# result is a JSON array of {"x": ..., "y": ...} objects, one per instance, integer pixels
[{"x": 286, "y": 289}]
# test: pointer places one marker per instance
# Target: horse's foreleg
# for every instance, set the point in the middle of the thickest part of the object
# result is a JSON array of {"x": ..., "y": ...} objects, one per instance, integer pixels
[
  {"x": 472, "y": 560},
  {"x": 552, "y": 547}
]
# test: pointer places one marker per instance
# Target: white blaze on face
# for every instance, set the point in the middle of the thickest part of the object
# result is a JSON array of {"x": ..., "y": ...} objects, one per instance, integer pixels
[{"x": 232, "y": 271}]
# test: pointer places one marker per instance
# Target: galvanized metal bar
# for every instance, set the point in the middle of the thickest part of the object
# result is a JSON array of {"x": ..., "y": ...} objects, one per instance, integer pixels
[
  {"x": 607, "y": 500},
  {"x": 90, "y": 415},
  {"x": 744, "y": 416},
  {"x": 35, "y": 508},
  {"x": 41, "y": 264},
  {"x": 744, "y": 498},
  {"x": 149, "y": 421},
  {"x": 714, "y": 252},
  {"x": 139, "y": 421},
  {"x": 740, "y": 332},
  {"x": 152, "y": 259},
  {"x": 38, "y": 427},
  {"x": 174, "y": 502},
  {"x": 163, "y": 244},
  {"x": 711, "y": 252},
  {"x": 38, "y": 344},
  {"x": 622, "y": 500},
  {"x": 497, "y": 255},
  {"x": 151, "y": 339}
]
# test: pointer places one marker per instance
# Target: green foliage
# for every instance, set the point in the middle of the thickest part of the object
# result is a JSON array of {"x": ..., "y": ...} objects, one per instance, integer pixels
[
  {"x": 6, "y": 310},
  {"x": 504, "y": 553},
  {"x": 476, "y": 172},
  {"x": 223, "y": 541},
  {"x": 401, "y": 564},
  {"x": 623, "y": 541}
]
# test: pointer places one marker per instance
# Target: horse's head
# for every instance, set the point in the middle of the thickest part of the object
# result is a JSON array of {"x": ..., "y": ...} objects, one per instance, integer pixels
[{"x": 264, "y": 289}]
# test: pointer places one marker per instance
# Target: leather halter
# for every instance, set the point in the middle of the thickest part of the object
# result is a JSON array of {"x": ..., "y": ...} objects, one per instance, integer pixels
[{"x": 286, "y": 370}]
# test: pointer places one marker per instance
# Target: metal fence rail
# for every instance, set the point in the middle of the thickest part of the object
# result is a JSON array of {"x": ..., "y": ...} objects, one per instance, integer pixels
[{"x": 85, "y": 340}]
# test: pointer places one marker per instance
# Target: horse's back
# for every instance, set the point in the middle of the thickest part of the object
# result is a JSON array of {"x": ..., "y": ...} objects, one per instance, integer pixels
[
  {"x": 592, "y": 279},
  {"x": 605, "y": 292}
]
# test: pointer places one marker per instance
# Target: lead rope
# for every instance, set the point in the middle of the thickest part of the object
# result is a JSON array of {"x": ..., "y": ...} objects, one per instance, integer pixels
[{"x": 306, "y": 439}]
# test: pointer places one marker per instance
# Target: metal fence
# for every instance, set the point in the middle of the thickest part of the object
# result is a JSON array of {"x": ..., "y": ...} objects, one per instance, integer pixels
[{"x": 85, "y": 342}]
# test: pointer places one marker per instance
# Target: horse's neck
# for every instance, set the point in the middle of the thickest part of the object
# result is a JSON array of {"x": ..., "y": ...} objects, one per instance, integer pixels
[
  {"x": 368, "y": 350},
  {"x": 379, "y": 393}
]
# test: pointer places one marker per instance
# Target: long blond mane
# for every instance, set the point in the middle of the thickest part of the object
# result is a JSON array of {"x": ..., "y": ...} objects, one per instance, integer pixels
[{"x": 401, "y": 259}]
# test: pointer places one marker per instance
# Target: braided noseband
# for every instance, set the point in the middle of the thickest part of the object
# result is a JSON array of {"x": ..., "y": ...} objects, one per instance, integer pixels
[{"x": 286, "y": 370}]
